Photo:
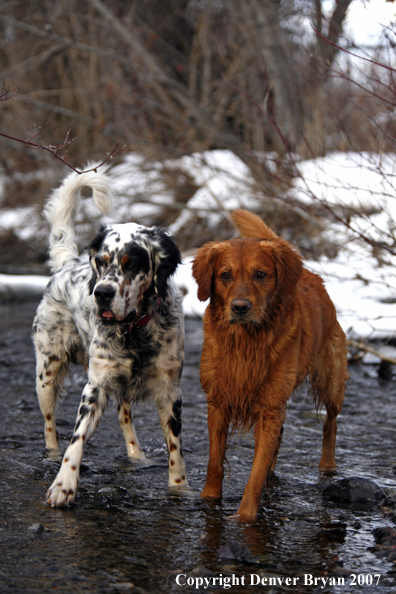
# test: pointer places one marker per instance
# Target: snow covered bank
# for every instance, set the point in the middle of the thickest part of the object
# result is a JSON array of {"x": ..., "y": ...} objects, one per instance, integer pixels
[
  {"x": 21, "y": 288},
  {"x": 361, "y": 280}
]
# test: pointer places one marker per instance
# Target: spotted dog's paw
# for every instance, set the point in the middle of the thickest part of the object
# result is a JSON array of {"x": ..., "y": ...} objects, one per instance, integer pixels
[
  {"x": 178, "y": 481},
  {"x": 53, "y": 454},
  {"x": 63, "y": 490}
]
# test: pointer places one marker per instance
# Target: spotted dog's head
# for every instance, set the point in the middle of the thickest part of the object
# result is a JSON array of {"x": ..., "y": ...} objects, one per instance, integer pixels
[{"x": 130, "y": 263}]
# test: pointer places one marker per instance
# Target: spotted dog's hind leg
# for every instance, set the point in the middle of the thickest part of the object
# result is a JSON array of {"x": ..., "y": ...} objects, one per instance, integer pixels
[
  {"x": 63, "y": 489},
  {"x": 47, "y": 386},
  {"x": 128, "y": 429},
  {"x": 52, "y": 366},
  {"x": 171, "y": 423}
]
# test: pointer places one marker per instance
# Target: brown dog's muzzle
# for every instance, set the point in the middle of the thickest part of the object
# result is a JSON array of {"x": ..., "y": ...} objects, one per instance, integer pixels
[{"x": 241, "y": 306}]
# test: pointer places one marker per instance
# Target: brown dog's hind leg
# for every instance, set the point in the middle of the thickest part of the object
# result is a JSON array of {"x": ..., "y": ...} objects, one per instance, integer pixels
[
  {"x": 328, "y": 386},
  {"x": 273, "y": 465},
  {"x": 218, "y": 432},
  {"x": 327, "y": 461}
]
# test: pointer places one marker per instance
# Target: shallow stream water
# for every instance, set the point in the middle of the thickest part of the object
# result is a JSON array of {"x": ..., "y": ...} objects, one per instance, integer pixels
[{"x": 128, "y": 532}]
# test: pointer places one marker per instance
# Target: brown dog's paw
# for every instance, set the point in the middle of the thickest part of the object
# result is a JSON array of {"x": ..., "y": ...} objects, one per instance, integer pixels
[{"x": 211, "y": 493}]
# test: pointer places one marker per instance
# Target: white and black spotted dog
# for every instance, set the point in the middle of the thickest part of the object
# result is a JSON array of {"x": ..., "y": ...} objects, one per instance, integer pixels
[{"x": 119, "y": 315}]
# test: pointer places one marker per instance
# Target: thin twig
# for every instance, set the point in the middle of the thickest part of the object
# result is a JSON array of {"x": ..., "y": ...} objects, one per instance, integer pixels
[
  {"x": 53, "y": 149},
  {"x": 352, "y": 54},
  {"x": 393, "y": 140},
  {"x": 4, "y": 92}
]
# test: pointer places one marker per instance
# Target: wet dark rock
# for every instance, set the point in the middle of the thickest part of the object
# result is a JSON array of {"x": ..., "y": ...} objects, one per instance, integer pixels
[
  {"x": 385, "y": 370},
  {"x": 385, "y": 536},
  {"x": 390, "y": 500},
  {"x": 202, "y": 571},
  {"x": 354, "y": 489},
  {"x": 233, "y": 551},
  {"x": 392, "y": 555},
  {"x": 336, "y": 530},
  {"x": 385, "y": 539},
  {"x": 270, "y": 564},
  {"x": 36, "y": 528}
]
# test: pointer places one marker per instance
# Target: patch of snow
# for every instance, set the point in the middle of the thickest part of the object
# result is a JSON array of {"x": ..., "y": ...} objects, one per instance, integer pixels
[{"x": 361, "y": 284}]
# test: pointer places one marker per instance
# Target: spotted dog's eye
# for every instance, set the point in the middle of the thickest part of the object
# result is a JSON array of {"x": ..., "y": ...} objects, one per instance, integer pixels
[
  {"x": 130, "y": 265},
  {"x": 100, "y": 262},
  {"x": 261, "y": 274},
  {"x": 226, "y": 276}
]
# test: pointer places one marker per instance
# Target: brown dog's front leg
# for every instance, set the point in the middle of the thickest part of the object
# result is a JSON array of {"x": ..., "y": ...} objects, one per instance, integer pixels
[
  {"x": 218, "y": 432},
  {"x": 267, "y": 431}
]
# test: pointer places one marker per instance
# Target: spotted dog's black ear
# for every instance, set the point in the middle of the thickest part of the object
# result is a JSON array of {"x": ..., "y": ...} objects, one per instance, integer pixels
[
  {"x": 168, "y": 258},
  {"x": 92, "y": 250}
]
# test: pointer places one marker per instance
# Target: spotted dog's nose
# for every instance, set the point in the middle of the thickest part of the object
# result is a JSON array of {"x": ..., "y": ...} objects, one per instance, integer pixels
[
  {"x": 241, "y": 306},
  {"x": 104, "y": 294}
]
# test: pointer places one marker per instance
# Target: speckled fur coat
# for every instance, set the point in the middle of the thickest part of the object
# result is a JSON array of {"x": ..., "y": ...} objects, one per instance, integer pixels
[{"x": 121, "y": 317}]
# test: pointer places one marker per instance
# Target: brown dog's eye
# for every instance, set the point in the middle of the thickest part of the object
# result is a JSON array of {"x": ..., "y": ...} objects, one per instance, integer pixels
[
  {"x": 226, "y": 276},
  {"x": 261, "y": 274},
  {"x": 100, "y": 262}
]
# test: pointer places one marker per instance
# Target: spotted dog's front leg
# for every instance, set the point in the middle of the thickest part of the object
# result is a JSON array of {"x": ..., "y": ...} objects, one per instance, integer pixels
[
  {"x": 128, "y": 429},
  {"x": 170, "y": 415},
  {"x": 63, "y": 489}
]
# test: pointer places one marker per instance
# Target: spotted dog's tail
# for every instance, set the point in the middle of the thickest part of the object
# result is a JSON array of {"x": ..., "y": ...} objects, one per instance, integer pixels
[
  {"x": 60, "y": 210},
  {"x": 250, "y": 225}
]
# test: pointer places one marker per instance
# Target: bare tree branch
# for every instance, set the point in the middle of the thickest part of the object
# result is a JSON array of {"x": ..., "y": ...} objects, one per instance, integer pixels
[
  {"x": 342, "y": 49},
  {"x": 32, "y": 62},
  {"x": 329, "y": 50},
  {"x": 393, "y": 140},
  {"x": 57, "y": 109},
  {"x": 4, "y": 96},
  {"x": 163, "y": 76},
  {"x": 53, "y": 149},
  {"x": 362, "y": 346},
  {"x": 83, "y": 47}
]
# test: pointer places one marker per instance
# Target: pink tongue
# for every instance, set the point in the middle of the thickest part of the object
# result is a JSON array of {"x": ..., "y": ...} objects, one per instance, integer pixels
[{"x": 107, "y": 314}]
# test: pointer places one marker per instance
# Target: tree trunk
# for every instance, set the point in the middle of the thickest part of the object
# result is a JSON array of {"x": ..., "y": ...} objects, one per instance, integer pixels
[{"x": 282, "y": 74}]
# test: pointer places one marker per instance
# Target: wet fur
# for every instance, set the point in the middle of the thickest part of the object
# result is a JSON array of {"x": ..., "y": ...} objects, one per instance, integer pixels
[
  {"x": 253, "y": 361},
  {"x": 131, "y": 344}
]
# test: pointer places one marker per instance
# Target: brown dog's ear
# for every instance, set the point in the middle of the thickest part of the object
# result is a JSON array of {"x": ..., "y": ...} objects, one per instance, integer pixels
[
  {"x": 288, "y": 264},
  {"x": 203, "y": 269}
]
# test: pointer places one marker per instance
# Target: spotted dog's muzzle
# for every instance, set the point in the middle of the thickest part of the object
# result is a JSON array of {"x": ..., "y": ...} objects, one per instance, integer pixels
[{"x": 104, "y": 295}]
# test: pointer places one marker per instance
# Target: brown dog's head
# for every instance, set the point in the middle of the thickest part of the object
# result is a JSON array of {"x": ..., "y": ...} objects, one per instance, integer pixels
[{"x": 247, "y": 278}]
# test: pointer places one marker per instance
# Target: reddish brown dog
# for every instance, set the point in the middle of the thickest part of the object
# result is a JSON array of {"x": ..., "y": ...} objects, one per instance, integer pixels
[{"x": 269, "y": 325}]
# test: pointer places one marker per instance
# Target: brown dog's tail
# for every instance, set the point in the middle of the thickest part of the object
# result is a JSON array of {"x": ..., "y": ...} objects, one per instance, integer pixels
[{"x": 250, "y": 225}]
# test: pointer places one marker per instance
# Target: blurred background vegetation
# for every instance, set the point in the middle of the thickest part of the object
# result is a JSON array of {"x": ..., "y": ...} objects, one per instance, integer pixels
[{"x": 168, "y": 78}]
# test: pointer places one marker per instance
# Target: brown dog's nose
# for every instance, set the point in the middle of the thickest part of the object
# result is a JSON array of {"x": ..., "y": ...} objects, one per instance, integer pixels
[{"x": 241, "y": 306}]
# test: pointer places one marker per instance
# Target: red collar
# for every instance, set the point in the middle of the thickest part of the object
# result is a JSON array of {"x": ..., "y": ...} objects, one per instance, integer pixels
[{"x": 144, "y": 319}]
